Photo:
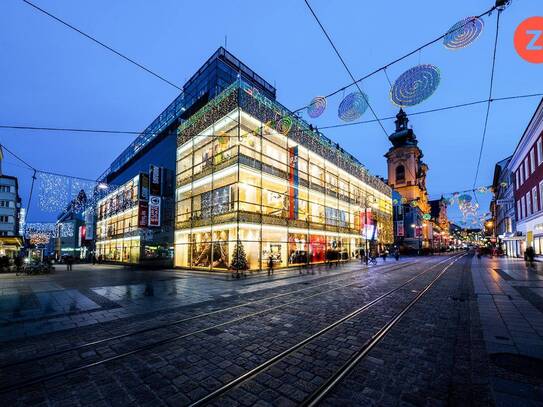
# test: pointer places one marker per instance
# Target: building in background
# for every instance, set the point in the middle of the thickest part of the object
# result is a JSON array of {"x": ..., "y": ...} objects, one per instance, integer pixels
[
  {"x": 67, "y": 240},
  {"x": 10, "y": 206},
  {"x": 129, "y": 221},
  {"x": 256, "y": 184},
  {"x": 502, "y": 208},
  {"x": 407, "y": 175},
  {"x": 526, "y": 167},
  {"x": 440, "y": 224}
]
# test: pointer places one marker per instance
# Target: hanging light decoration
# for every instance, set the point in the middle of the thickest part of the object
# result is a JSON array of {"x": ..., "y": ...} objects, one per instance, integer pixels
[
  {"x": 415, "y": 85},
  {"x": 53, "y": 192},
  {"x": 353, "y": 106},
  {"x": 463, "y": 33},
  {"x": 426, "y": 216},
  {"x": 464, "y": 198},
  {"x": 284, "y": 125},
  {"x": 316, "y": 107}
]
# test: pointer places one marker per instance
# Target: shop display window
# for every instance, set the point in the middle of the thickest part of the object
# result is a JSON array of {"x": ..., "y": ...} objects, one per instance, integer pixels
[{"x": 260, "y": 182}]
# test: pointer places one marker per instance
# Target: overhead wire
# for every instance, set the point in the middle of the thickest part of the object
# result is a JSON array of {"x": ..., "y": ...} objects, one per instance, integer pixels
[
  {"x": 345, "y": 65},
  {"x": 489, "y": 98},
  {"x": 129, "y": 132},
  {"x": 102, "y": 44}
]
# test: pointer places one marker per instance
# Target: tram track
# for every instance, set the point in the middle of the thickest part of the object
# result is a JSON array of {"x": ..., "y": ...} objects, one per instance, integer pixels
[
  {"x": 332, "y": 381},
  {"x": 331, "y": 281},
  {"x": 84, "y": 366}
]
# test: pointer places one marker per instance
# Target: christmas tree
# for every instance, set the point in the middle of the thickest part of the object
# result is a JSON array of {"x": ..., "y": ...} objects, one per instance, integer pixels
[{"x": 239, "y": 259}]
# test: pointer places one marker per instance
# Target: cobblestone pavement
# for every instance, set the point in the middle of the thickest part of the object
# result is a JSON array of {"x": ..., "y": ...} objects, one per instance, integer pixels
[
  {"x": 32, "y": 305},
  {"x": 175, "y": 354}
]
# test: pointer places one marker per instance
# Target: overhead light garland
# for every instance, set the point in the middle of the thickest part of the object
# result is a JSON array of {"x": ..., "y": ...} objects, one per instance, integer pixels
[
  {"x": 284, "y": 125},
  {"x": 415, "y": 85},
  {"x": 316, "y": 107},
  {"x": 463, "y": 33},
  {"x": 353, "y": 106},
  {"x": 57, "y": 193}
]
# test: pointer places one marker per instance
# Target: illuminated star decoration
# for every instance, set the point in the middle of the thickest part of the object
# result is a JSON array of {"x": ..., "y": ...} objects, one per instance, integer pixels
[
  {"x": 316, "y": 107},
  {"x": 463, "y": 33},
  {"x": 353, "y": 106},
  {"x": 415, "y": 85},
  {"x": 283, "y": 126}
]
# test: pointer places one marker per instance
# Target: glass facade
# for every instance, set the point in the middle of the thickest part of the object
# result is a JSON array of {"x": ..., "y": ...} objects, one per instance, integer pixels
[
  {"x": 284, "y": 192},
  {"x": 117, "y": 229}
]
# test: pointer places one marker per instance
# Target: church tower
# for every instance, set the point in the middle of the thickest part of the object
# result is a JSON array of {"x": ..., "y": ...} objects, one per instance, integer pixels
[{"x": 406, "y": 170}]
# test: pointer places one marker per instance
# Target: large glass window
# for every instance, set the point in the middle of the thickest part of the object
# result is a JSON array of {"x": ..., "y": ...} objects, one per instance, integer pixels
[{"x": 238, "y": 175}]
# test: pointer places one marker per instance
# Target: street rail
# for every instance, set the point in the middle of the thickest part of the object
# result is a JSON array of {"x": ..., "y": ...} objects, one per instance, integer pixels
[
  {"x": 50, "y": 376},
  {"x": 325, "y": 388}
]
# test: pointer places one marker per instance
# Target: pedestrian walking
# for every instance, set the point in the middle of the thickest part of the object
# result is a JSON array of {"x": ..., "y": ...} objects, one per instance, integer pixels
[
  {"x": 69, "y": 262},
  {"x": 384, "y": 255},
  {"x": 397, "y": 254},
  {"x": 529, "y": 254},
  {"x": 270, "y": 265},
  {"x": 93, "y": 259}
]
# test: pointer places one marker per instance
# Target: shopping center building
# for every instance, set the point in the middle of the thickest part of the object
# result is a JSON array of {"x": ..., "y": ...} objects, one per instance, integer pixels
[
  {"x": 130, "y": 220},
  {"x": 255, "y": 182}
]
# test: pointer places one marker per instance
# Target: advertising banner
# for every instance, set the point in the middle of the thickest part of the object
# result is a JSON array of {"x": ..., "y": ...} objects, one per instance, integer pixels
[
  {"x": 293, "y": 182},
  {"x": 155, "y": 180},
  {"x": 144, "y": 187},
  {"x": 399, "y": 228},
  {"x": 81, "y": 235},
  {"x": 89, "y": 226},
  {"x": 154, "y": 210},
  {"x": 143, "y": 214}
]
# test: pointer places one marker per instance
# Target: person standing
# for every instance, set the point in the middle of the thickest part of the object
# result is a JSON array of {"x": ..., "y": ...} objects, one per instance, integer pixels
[
  {"x": 270, "y": 265},
  {"x": 530, "y": 256},
  {"x": 69, "y": 263}
]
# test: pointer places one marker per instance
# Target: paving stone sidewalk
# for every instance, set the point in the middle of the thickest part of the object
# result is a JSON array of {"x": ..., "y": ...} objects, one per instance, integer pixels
[{"x": 510, "y": 304}]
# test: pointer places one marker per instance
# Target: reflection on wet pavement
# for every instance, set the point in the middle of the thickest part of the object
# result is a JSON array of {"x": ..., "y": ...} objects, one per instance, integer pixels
[
  {"x": 22, "y": 303},
  {"x": 32, "y": 306}
]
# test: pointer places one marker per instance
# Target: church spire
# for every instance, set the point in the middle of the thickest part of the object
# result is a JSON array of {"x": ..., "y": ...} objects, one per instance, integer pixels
[
  {"x": 401, "y": 120},
  {"x": 403, "y": 136}
]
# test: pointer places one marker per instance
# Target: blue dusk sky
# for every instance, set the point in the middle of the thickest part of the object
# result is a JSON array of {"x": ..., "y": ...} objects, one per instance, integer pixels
[{"x": 52, "y": 76}]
